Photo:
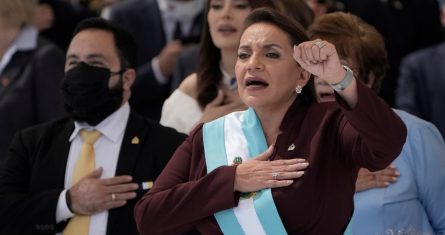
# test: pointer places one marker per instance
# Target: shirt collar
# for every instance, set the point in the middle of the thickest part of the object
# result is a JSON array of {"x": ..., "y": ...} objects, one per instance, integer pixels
[
  {"x": 166, "y": 13},
  {"x": 111, "y": 127},
  {"x": 25, "y": 40}
]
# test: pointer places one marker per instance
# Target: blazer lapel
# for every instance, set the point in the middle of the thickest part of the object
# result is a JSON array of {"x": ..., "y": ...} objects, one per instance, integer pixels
[
  {"x": 62, "y": 147},
  {"x": 12, "y": 71},
  {"x": 52, "y": 155},
  {"x": 130, "y": 151},
  {"x": 130, "y": 148}
]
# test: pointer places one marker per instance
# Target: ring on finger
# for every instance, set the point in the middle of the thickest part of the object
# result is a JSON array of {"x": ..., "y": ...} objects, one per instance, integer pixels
[
  {"x": 275, "y": 175},
  {"x": 113, "y": 196},
  {"x": 320, "y": 44}
]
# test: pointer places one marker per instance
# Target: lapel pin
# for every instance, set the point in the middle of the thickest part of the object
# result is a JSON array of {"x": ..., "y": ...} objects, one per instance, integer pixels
[
  {"x": 237, "y": 160},
  {"x": 135, "y": 140},
  {"x": 291, "y": 147}
]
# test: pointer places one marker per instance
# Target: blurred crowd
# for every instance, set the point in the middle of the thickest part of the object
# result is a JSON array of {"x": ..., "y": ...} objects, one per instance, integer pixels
[{"x": 185, "y": 74}]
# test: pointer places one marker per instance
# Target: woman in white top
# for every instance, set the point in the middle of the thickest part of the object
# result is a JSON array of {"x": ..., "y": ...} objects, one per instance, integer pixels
[{"x": 210, "y": 92}]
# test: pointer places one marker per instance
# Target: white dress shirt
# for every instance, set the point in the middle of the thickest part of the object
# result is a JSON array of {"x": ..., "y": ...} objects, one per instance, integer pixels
[
  {"x": 106, "y": 150},
  {"x": 169, "y": 20}
]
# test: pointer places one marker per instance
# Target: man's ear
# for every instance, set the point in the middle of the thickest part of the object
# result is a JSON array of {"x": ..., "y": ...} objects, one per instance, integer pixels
[{"x": 128, "y": 78}]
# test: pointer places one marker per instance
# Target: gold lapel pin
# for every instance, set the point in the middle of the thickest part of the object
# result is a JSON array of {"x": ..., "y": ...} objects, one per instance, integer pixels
[
  {"x": 135, "y": 140},
  {"x": 291, "y": 147}
]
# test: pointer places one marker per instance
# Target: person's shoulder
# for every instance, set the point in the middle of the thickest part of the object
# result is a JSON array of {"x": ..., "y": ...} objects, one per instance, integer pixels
[
  {"x": 426, "y": 55},
  {"x": 411, "y": 121},
  {"x": 414, "y": 123},
  {"x": 46, "y": 128},
  {"x": 47, "y": 50},
  {"x": 189, "y": 85}
]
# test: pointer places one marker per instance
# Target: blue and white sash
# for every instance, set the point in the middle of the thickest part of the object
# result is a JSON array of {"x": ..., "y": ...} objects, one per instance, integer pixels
[{"x": 240, "y": 134}]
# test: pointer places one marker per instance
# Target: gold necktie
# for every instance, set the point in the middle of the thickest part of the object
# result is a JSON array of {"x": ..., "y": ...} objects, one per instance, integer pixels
[{"x": 79, "y": 224}]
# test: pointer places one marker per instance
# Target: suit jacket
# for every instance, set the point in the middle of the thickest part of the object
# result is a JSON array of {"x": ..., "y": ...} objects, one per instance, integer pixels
[
  {"x": 334, "y": 139},
  {"x": 421, "y": 86},
  {"x": 186, "y": 65},
  {"x": 33, "y": 179},
  {"x": 30, "y": 90},
  {"x": 144, "y": 21}
]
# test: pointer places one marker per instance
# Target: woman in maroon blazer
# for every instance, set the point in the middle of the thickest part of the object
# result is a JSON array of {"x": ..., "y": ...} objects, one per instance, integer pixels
[{"x": 225, "y": 179}]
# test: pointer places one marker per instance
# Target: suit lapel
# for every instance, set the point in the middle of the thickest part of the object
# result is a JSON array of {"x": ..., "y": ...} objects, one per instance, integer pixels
[
  {"x": 135, "y": 132},
  {"x": 62, "y": 147},
  {"x": 12, "y": 71},
  {"x": 52, "y": 156}
]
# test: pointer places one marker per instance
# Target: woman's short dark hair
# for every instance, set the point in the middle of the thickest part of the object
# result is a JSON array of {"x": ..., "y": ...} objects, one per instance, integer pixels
[
  {"x": 123, "y": 40},
  {"x": 296, "y": 35},
  {"x": 356, "y": 40},
  {"x": 208, "y": 72}
]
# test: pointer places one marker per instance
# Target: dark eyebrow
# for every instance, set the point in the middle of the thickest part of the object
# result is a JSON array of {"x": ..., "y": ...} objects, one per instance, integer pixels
[
  {"x": 91, "y": 56},
  {"x": 71, "y": 56},
  {"x": 245, "y": 47},
  {"x": 266, "y": 46},
  {"x": 96, "y": 56}
]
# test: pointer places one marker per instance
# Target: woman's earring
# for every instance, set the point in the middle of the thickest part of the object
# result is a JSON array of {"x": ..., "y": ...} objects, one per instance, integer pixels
[{"x": 298, "y": 89}]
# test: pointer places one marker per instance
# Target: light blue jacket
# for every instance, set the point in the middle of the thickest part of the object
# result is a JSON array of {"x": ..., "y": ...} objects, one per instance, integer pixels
[{"x": 415, "y": 204}]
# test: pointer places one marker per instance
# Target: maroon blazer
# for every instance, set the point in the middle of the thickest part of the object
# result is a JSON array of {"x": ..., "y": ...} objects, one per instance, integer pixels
[{"x": 335, "y": 140}]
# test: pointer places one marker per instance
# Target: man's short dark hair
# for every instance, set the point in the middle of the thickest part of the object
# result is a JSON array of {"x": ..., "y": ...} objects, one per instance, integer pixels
[{"x": 123, "y": 40}]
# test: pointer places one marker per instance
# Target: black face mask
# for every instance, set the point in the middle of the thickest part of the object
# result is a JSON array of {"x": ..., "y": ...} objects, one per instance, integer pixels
[{"x": 87, "y": 96}]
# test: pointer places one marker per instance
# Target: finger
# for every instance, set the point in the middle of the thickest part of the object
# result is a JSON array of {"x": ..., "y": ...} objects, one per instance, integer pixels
[
  {"x": 385, "y": 178},
  {"x": 315, "y": 53},
  {"x": 287, "y": 161},
  {"x": 114, "y": 204},
  {"x": 288, "y": 175},
  {"x": 122, "y": 188},
  {"x": 326, "y": 51},
  {"x": 297, "y": 56},
  {"x": 379, "y": 184},
  {"x": 264, "y": 156},
  {"x": 117, "y": 180},
  {"x": 309, "y": 53},
  {"x": 304, "y": 57},
  {"x": 293, "y": 167},
  {"x": 278, "y": 183},
  {"x": 390, "y": 172},
  {"x": 123, "y": 196},
  {"x": 95, "y": 174}
]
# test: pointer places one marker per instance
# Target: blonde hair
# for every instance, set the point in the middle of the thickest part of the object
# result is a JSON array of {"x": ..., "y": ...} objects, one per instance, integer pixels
[{"x": 18, "y": 12}]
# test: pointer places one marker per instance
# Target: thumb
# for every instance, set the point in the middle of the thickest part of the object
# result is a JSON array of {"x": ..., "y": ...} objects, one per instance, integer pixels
[
  {"x": 96, "y": 173},
  {"x": 264, "y": 156},
  {"x": 297, "y": 55},
  {"x": 218, "y": 99}
]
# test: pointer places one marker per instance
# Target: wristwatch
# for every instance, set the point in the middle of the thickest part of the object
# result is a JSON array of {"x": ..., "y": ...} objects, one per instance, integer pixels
[{"x": 346, "y": 80}]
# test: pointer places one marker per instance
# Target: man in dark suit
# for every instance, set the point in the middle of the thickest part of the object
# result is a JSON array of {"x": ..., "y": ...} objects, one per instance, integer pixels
[
  {"x": 38, "y": 190},
  {"x": 161, "y": 28},
  {"x": 31, "y": 70},
  {"x": 421, "y": 86}
]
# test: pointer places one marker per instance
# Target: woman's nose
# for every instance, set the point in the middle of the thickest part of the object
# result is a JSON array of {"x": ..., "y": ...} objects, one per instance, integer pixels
[
  {"x": 254, "y": 64},
  {"x": 227, "y": 12}
]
